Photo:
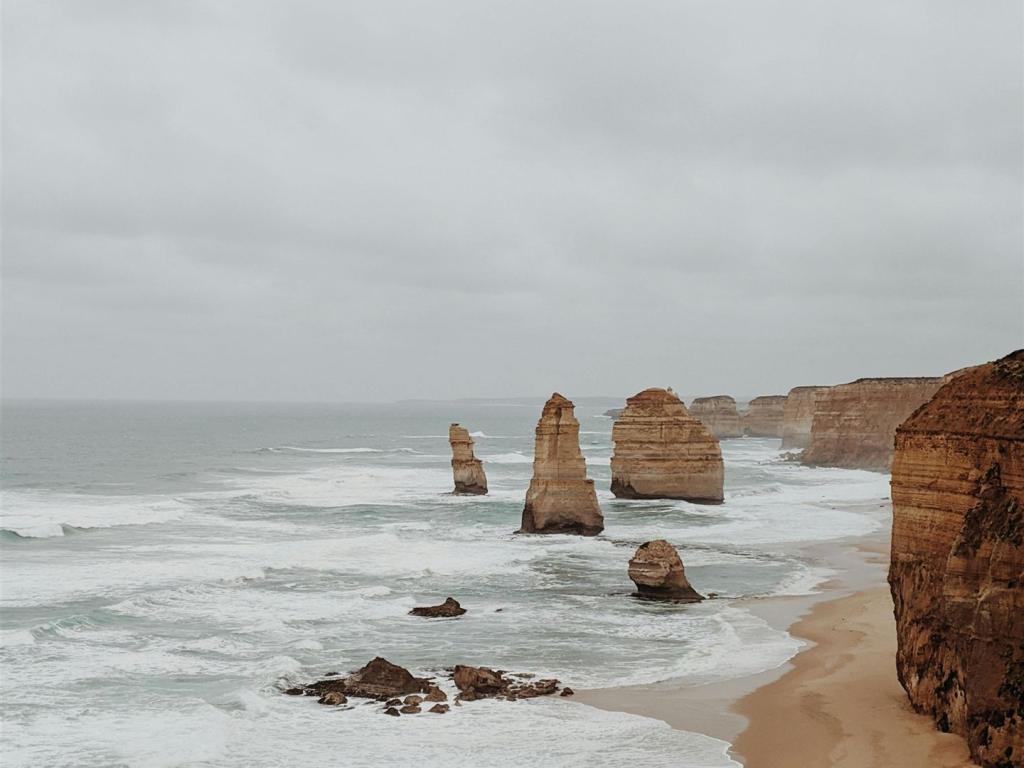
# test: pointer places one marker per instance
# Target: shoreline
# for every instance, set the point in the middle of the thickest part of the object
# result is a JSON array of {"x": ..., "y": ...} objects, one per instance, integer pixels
[{"x": 837, "y": 702}]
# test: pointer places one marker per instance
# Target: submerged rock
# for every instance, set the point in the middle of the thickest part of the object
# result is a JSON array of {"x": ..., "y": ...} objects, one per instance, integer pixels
[
  {"x": 657, "y": 571},
  {"x": 467, "y": 469},
  {"x": 450, "y": 607},
  {"x": 957, "y": 564},
  {"x": 561, "y": 498},
  {"x": 662, "y": 452}
]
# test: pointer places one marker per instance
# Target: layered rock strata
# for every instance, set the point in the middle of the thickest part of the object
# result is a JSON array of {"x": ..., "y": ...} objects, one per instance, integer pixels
[
  {"x": 466, "y": 467},
  {"x": 764, "y": 416},
  {"x": 561, "y": 498},
  {"x": 957, "y": 564},
  {"x": 662, "y": 452},
  {"x": 719, "y": 414},
  {"x": 657, "y": 571},
  {"x": 854, "y": 424},
  {"x": 798, "y": 415}
]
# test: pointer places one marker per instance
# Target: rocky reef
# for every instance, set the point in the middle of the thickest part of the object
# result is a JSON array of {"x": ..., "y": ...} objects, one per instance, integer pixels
[
  {"x": 486, "y": 683},
  {"x": 763, "y": 417},
  {"x": 466, "y": 467},
  {"x": 561, "y": 498},
  {"x": 854, "y": 424},
  {"x": 657, "y": 571},
  {"x": 718, "y": 414},
  {"x": 662, "y": 452},
  {"x": 798, "y": 415},
  {"x": 957, "y": 565},
  {"x": 448, "y": 609},
  {"x": 400, "y": 692}
]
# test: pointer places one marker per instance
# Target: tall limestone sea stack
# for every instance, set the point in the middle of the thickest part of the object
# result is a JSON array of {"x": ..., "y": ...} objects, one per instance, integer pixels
[
  {"x": 466, "y": 467},
  {"x": 561, "y": 498},
  {"x": 798, "y": 415},
  {"x": 854, "y": 424},
  {"x": 764, "y": 416},
  {"x": 957, "y": 565},
  {"x": 719, "y": 414},
  {"x": 662, "y": 452}
]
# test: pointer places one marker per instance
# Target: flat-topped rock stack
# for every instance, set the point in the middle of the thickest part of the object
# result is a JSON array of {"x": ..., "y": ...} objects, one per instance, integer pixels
[
  {"x": 662, "y": 452},
  {"x": 561, "y": 498},
  {"x": 719, "y": 414},
  {"x": 798, "y": 415},
  {"x": 854, "y": 424},
  {"x": 763, "y": 417},
  {"x": 957, "y": 564},
  {"x": 466, "y": 467}
]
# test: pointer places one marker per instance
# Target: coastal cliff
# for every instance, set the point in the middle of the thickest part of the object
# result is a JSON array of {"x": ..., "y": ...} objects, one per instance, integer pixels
[
  {"x": 763, "y": 417},
  {"x": 957, "y": 565},
  {"x": 561, "y": 498},
  {"x": 467, "y": 469},
  {"x": 662, "y": 452},
  {"x": 718, "y": 414},
  {"x": 854, "y": 424},
  {"x": 797, "y": 416}
]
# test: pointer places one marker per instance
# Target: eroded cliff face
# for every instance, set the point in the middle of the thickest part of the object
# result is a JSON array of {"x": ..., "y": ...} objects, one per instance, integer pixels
[
  {"x": 662, "y": 452},
  {"x": 764, "y": 416},
  {"x": 467, "y": 469},
  {"x": 957, "y": 566},
  {"x": 561, "y": 498},
  {"x": 718, "y": 414},
  {"x": 854, "y": 424},
  {"x": 797, "y": 416}
]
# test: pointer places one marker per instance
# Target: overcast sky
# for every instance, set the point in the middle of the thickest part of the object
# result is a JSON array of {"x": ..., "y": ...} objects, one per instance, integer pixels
[{"x": 365, "y": 201}]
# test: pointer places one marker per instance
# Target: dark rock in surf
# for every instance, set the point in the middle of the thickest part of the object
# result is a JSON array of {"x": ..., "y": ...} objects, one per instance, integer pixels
[{"x": 448, "y": 609}]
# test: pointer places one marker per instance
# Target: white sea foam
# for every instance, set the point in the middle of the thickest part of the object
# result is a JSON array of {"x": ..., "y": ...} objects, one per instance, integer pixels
[
  {"x": 32, "y": 514},
  {"x": 300, "y": 449},
  {"x": 513, "y": 457}
]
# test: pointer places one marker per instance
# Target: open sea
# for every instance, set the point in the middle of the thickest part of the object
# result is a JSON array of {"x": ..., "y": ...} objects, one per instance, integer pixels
[{"x": 168, "y": 568}]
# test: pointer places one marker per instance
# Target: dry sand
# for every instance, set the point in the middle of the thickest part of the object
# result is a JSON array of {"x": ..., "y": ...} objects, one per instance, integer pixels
[
  {"x": 836, "y": 703},
  {"x": 841, "y": 704}
]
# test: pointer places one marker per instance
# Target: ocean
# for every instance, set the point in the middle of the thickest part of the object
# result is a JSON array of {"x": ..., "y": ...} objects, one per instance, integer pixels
[{"x": 169, "y": 568}]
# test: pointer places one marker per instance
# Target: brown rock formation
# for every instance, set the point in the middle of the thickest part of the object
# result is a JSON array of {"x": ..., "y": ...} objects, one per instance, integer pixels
[
  {"x": 380, "y": 679},
  {"x": 450, "y": 607},
  {"x": 854, "y": 424},
  {"x": 561, "y": 499},
  {"x": 719, "y": 414},
  {"x": 485, "y": 683},
  {"x": 467, "y": 469},
  {"x": 957, "y": 566},
  {"x": 764, "y": 416},
  {"x": 662, "y": 452},
  {"x": 798, "y": 415},
  {"x": 657, "y": 571}
]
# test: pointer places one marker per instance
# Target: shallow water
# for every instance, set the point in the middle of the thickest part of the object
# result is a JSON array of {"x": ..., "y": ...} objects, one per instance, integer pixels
[{"x": 168, "y": 568}]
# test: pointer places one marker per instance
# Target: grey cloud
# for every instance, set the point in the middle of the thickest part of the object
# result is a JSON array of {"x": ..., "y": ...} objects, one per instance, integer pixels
[{"x": 364, "y": 200}]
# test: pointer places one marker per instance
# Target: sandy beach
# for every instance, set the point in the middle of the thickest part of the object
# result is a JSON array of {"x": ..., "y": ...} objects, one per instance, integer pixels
[{"x": 836, "y": 703}]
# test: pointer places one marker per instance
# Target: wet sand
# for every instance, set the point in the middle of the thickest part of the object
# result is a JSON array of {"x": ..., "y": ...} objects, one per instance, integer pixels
[{"x": 836, "y": 703}]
